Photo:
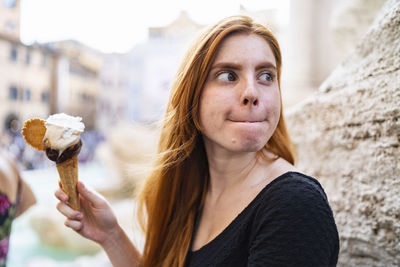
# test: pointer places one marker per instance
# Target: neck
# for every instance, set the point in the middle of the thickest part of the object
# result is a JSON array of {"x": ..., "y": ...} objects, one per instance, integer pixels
[{"x": 230, "y": 171}]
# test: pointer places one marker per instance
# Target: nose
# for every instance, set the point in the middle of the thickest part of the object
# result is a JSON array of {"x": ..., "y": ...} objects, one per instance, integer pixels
[{"x": 249, "y": 96}]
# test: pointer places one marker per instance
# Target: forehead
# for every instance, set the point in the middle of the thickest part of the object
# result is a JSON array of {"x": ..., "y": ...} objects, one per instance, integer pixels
[{"x": 243, "y": 47}]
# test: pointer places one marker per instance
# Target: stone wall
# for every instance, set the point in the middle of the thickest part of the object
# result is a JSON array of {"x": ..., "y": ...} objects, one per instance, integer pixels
[{"x": 348, "y": 136}]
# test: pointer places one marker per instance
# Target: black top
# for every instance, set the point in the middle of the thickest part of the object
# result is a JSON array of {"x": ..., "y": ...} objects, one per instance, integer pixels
[{"x": 289, "y": 223}]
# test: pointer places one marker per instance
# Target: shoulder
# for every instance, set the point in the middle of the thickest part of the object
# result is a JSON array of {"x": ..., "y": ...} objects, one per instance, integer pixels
[
  {"x": 295, "y": 222},
  {"x": 293, "y": 186},
  {"x": 294, "y": 196}
]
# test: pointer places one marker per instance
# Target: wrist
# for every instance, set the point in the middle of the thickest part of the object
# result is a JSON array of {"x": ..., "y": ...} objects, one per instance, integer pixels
[
  {"x": 113, "y": 238},
  {"x": 120, "y": 249}
]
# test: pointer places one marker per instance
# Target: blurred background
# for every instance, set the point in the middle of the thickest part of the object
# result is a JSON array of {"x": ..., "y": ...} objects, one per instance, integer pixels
[{"x": 112, "y": 63}]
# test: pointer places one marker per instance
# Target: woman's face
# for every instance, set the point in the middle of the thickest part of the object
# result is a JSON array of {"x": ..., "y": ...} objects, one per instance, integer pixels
[{"x": 240, "y": 101}]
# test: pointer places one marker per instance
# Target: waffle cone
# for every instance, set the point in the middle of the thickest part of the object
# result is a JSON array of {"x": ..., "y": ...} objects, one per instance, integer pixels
[
  {"x": 33, "y": 133},
  {"x": 68, "y": 171}
]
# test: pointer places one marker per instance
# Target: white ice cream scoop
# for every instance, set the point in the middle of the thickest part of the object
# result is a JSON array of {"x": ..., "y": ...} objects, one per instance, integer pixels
[{"x": 62, "y": 131}]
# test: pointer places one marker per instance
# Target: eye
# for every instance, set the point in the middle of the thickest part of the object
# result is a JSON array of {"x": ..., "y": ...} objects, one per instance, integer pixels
[
  {"x": 226, "y": 77},
  {"x": 266, "y": 76}
]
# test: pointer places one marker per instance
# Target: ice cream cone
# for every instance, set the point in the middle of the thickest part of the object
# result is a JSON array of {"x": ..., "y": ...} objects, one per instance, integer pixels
[{"x": 68, "y": 171}]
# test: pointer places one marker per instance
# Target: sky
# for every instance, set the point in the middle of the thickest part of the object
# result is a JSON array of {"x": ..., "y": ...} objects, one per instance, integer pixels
[{"x": 117, "y": 25}]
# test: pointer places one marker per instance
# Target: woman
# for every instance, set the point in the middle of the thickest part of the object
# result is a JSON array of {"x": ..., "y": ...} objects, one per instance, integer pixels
[
  {"x": 224, "y": 191},
  {"x": 15, "y": 198}
]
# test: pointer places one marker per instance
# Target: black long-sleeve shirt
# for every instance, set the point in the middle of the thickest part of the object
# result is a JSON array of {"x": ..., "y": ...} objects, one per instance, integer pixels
[{"x": 289, "y": 223}]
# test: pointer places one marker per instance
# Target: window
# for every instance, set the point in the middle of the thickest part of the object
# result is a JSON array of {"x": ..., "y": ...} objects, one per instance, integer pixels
[
  {"x": 28, "y": 56},
  {"x": 13, "y": 53},
  {"x": 84, "y": 97},
  {"x": 45, "y": 97},
  {"x": 27, "y": 94},
  {"x": 44, "y": 60},
  {"x": 13, "y": 92},
  {"x": 10, "y": 3},
  {"x": 11, "y": 26}
]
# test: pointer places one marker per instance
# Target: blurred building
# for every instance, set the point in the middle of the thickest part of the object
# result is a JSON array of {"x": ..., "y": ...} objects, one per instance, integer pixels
[
  {"x": 77, "y": 81},
  {"x": 112, "y": 99},
  {"x": 153, "y": 65},
  {"x": 9, "y": 18},
  {"x": 41, "y": 79},
  {"x": 27, "y": 83},
  {"x": 135, "y": 86},
  {"x": 27, "y": 71}
]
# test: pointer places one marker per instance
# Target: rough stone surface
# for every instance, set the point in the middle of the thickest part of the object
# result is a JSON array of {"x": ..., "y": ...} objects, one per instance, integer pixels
[{"x": 348, "y": 136}]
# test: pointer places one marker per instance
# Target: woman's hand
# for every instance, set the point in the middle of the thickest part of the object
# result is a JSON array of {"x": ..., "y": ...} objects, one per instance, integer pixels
[{"x": 96, "y": 221}]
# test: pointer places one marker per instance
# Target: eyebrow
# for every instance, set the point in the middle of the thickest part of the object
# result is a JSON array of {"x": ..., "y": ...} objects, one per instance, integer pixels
[{"x": 230, "y": 65}]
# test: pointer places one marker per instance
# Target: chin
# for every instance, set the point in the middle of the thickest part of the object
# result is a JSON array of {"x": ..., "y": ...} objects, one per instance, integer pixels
[
  {"x": 251, "y": 143},
  {"x": 249, "y": 147}
]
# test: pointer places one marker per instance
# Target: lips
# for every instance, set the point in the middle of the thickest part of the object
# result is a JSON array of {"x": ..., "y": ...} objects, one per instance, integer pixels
[{"x": 246, "y": 120}]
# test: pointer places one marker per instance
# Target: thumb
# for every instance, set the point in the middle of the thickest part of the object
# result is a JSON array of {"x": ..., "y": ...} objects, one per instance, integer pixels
[{"x": 95, "y": 198}]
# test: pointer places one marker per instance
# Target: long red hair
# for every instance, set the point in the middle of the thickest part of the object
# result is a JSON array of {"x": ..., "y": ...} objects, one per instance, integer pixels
[{"x": 175, "y": 190}]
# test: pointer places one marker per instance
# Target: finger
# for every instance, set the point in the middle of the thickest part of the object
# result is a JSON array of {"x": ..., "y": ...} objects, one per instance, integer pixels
[
  {"x": 95, "y": 198},
  {"x": 68, "y": 212},
  {"x": 75, "y": 225},
  {"x": 60, "y": 194}
]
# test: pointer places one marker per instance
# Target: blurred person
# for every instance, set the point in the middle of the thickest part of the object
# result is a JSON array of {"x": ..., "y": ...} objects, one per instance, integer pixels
[
  {"x": 224, "y": 190},
  {"x": 15, "y": 198}
]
